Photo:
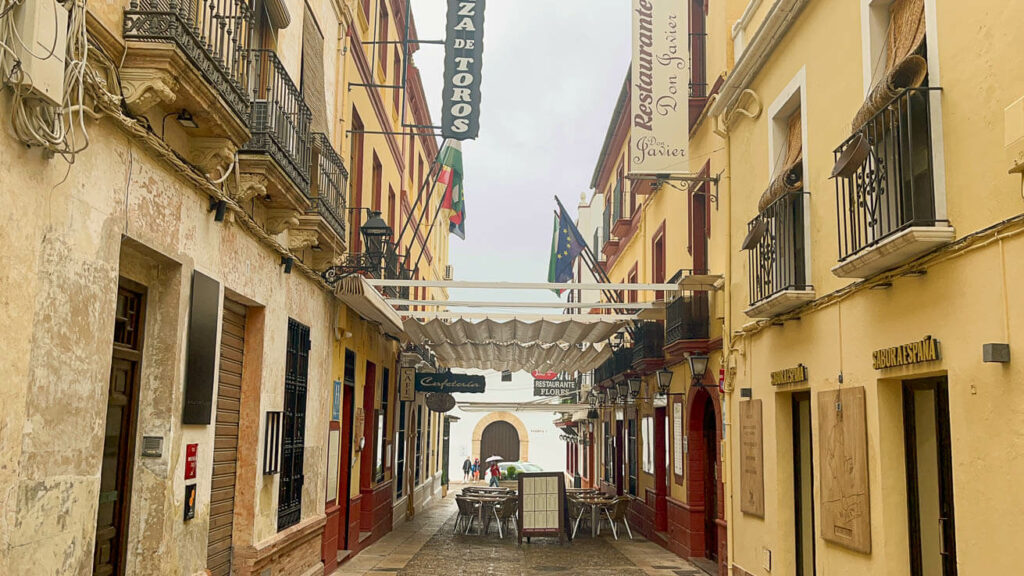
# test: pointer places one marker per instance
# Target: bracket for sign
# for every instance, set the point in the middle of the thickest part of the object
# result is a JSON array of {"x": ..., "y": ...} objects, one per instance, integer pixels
[
  {"x": 404, "y": 42},
  {"x": 385, "y": 132},
  {"x": 669, "y": 178}
]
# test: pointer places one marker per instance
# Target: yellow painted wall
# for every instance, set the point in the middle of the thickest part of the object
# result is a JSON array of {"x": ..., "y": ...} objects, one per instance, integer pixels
[{"x": 960, "y": 301}]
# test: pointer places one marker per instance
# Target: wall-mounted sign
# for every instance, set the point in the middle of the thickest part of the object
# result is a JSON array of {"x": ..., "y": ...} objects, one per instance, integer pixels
[
  {"x": 543, "y": 375},
  {"x": 447, "y": 382},
  {"x": 407, "y": 384},
  {"x": 336, "y": 401},
  {"x": 190, "y": 501},
  {"x": 202, "y": 350},
  {"x": 556, "y": 387},
  {"x": 191, "y": 458},
  {"x": 794, "y": 375},
  {"x": 926, "y": 350},
  {"x": 660, "y": 87},
  {"x": 751, "y": 459},
  {"x": 463, "y": 51},
  {"x": 440, "y": 401}
]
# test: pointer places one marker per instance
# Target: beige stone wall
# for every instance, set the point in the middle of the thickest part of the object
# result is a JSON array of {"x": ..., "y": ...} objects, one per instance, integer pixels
[{"x": 122, "y": 212}]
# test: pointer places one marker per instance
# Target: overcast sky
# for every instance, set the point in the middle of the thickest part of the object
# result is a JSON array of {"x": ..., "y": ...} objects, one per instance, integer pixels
[{"x": 552, "y": 70}]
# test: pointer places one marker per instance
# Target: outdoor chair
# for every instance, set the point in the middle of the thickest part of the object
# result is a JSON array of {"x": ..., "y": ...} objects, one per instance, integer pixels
[
  {"x": 578, "y": 512},
  {"x": 504, "y": 512},
  {"x": 616, "y": 512},
  {"x": 467, "y": 513}
]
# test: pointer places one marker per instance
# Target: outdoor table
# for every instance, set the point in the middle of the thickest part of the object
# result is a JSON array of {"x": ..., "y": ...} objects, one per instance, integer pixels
[
  {"x": 594, "y": 504},
  {"x": 486, "y": 503}
]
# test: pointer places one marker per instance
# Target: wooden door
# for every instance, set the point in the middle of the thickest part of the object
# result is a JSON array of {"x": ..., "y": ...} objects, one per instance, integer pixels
[
  {"x": 345, "y": 474},
  {"x": 661, "y": 474},
  {"x": 710, "y": 482},
  {"x": 803, "y": 484},
  {"x": 929, "y": 477},
  {"x": 225, "y": 440},
  {"x": 118, "y": 438},
  {"x": 499, "y": 439}
]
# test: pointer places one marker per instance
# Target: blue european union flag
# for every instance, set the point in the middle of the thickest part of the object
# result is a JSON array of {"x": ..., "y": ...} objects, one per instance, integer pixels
[{"x": 566, "y": 245}]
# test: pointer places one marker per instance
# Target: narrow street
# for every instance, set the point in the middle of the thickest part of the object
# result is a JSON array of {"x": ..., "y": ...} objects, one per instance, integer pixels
[{"x": 427, "y": 546}]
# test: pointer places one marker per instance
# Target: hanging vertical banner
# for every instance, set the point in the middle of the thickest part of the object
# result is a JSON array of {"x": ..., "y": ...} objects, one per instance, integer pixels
[
  {"x": 463, "y": 50},
  {"x": 660, "y": 92}
]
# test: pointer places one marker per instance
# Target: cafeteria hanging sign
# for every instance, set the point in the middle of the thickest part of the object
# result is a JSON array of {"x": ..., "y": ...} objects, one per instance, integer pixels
[
  {"x": 463, "y": 59},
  {"x": 448, "y": 382},
  {"x": 660, "y": 78}
]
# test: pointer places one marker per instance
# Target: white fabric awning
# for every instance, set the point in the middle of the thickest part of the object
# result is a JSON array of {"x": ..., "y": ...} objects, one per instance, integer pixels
[
  {"x": 485, "y": 331},
  {"x": 360, "y": 296},
  {"x": 545, "y": 345},
  {"x": 514, "y": 356}
]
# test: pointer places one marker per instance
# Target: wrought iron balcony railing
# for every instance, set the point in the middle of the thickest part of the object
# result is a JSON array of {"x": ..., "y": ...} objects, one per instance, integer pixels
[
  {"x": 688, "y": 318},
  {"x": 328, "y": 183},
  {"x": 777, "y": 262},
  {"x": 650, "y": 340},
  {"x": 280, "y": 118},
  {"x": 892, "y": 189},
  {"x": 213, "y": 35}
]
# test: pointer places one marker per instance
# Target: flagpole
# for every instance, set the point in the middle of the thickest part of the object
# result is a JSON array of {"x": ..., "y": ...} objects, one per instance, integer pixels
[
  {"x": 419, "y": 194},
  {"x": 440, "y": 206},
  {"x": 593, "y": 265}
]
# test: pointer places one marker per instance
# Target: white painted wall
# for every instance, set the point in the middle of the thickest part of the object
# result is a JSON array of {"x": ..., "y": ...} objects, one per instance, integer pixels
[{"x": 546, "y": 449}]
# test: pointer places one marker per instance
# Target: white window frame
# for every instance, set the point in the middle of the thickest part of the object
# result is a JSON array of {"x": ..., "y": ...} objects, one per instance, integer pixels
[{"x": 874, "y": 26}]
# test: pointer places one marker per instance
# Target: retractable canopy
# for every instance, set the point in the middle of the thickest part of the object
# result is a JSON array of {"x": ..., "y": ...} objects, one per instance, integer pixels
[{"x": 545, "y": 345}]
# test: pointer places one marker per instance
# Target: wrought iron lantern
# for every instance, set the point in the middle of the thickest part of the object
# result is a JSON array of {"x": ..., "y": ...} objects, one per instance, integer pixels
[
  {"x": 698, "y": 368},
  {"x": 376, "y": 237},
  {"x": 613, "y": 394},
  {"x": 634, "y": 385},
  {"x": 664, "y": 380},
  {"x": 622, "y": 389}
]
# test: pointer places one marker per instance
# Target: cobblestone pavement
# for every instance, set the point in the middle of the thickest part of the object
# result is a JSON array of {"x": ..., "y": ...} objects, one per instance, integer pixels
[{"x": 427, "y": 547}]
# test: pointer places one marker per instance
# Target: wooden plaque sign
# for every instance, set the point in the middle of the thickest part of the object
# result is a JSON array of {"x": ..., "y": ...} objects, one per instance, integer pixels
[
  {"x": 751, "y": 459},
  {"x": 845, "y": 501},
  {"x": 542, "y": 505}
]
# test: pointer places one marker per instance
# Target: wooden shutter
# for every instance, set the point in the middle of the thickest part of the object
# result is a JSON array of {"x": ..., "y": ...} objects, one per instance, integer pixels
[
  {"x": 289, "y": 503},
  {"x": 313, "y": 72}
]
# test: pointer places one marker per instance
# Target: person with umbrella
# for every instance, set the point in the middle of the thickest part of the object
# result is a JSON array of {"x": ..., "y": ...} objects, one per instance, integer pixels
[{"x": 495, "y": 471}]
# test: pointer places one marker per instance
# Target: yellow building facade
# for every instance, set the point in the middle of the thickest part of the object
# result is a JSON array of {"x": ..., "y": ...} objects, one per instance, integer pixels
[{"x": 873, "y": 231}]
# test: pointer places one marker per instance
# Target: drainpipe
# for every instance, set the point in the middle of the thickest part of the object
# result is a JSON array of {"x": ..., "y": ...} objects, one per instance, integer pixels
[{"x": 725, "y": 203}]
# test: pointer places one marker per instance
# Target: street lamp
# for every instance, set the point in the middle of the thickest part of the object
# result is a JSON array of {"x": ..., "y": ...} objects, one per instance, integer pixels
[
  {"x": 613, "y": 394},
  {"x": 664, "y": 380},
  {"x": 634, "y": 387},
  {"x": 376, "y": 235},
  {"x": 698, "y": 368},
  {"x": 623, "y": 390}
]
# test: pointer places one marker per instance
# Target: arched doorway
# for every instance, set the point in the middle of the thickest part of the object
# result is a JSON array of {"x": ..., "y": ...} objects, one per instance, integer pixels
[
  {"x": 502, "y": 439},
  {"x": 704, "y": 478}
]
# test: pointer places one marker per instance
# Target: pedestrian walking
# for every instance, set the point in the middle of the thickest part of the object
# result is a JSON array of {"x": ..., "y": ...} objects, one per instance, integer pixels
[
  {"x": 495, "y": 474},
  {"x": 467, "y": 469},
  {"x": 476, "y": 469}
]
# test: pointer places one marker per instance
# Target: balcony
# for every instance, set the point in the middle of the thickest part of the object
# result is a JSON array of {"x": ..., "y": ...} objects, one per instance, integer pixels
[
  {"x": 687, "y": 325},
  {"x": 619, "y": 219},
  {"x": 648, "y": 355},
  {"x": 777, "y": 268},
  {"x": 617, "y": 367},
  {"x": 192, "y": 56},
  {"x": 279, "y": 152},
  {"x": 698, "y": 85},
  {"x": 325, "y": 220},
  {"x": 885, "y": 191}
]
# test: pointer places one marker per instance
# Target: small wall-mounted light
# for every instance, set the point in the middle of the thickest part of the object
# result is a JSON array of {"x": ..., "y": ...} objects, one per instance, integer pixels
[
  {"x": 664, "y": 380},
  {"x": 882, "y": 286},
  {"x": 185, "y": 119},
  {"x": 623, "y": 389},
  {"x": 698, "y": 368},
  {"x": 916, "y": 273},
  {"x": 218, "y": 207},
  {"x": 995, "y": 352},
  {"x": 288, "y": 263}
]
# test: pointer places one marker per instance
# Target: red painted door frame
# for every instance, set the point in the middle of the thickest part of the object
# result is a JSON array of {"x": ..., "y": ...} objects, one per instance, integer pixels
[
  {"x": 345, "y": 465},
  {"x": 660, "y": 471}
]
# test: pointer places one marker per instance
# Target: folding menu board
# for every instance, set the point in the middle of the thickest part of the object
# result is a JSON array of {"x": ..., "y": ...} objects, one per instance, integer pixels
[{"x": 542, "y": 505}]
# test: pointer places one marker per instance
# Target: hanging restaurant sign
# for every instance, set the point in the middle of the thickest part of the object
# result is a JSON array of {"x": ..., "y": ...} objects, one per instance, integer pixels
[
  {"x": 448, "y": 382},
  {"x": 463, "y": 52},
  {"x": 554, "y": 387},
  {"x": 926, "y": 350},
  {"x": 660, "y": 80},
  {"x": 794, "y": 375}
]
